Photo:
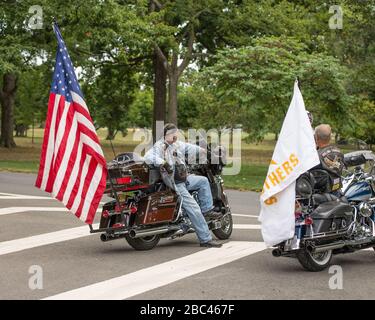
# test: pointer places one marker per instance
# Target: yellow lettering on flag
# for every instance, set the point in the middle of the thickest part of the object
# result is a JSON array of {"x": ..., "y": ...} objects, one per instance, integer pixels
[
  {"x": 270, "y": 201},
  {"x": 280, "y": 173}
]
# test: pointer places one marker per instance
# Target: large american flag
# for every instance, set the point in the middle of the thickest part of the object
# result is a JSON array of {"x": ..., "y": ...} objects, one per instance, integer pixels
[{"x": 72, "y": 164}]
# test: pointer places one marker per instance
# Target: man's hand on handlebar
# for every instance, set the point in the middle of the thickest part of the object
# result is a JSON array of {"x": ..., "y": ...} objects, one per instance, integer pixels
[{"x": 167, "y": 167}]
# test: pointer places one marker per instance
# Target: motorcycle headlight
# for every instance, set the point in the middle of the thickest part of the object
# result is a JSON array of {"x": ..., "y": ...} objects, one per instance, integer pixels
[{"x": 365, "y": 210}]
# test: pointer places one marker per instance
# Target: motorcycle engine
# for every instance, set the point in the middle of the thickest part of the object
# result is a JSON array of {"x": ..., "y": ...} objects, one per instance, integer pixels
[{"x": 363, "y": 229}]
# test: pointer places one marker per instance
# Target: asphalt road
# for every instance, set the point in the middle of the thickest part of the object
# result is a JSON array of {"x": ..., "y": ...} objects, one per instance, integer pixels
[{"x": 39, "y": 242}]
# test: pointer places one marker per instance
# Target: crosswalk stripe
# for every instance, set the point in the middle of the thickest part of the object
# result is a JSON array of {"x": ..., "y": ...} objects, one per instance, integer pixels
[
  {"x": 24, "y": 198},
  {"x": 44, "y": 239},
  {"x": 138, "y": 282},
  {"x": 16, "y": 245},
  {"x": 10, "y": 210},
  {"x": 247, "y": 226},
  {"x": 244, "y": 215},
  {"x": 16, "y": 196}
]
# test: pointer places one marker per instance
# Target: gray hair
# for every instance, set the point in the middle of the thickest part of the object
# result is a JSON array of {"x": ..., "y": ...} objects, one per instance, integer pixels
[{"x": 323, "y": 132}]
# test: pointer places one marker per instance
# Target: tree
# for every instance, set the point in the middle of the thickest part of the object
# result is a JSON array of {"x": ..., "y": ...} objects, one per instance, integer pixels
[
  {"x": 16, "y": 53},
  {"x": 140, "y": 111},
  {"x": 188, "y": 102},
  {"x": 364, "y": 127},
  {"x": 32, "y": 96},
  {"x": 181, "y": 26},
  {"x": 253, "y": 86},
  {"x": 110, "y": 96}
]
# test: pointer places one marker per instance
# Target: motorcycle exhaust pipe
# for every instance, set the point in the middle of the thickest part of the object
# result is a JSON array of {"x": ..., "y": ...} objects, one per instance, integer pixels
[
  {"x": 109, "y": 237},
  {"x": 152, "y": 232},
  {"x": 322, "y": 248},
  {"x": 276, "y": 252}
]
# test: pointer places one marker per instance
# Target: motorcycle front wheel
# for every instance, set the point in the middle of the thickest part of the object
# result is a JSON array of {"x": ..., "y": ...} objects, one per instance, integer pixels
[
  {"x": 145, "y": 243},
  {"x": 226, "y": 228},
  {"x": 314, "y": 262}
]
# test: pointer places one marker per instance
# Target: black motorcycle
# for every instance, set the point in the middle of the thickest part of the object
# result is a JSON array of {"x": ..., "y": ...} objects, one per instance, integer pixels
[
  {"x": 328, "y": 223},
  {"x": 146, "y": 208}
]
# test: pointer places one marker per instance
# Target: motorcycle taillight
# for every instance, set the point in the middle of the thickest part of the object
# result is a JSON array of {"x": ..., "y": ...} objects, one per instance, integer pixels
[
  {"x": 124, "y": 180},
  {"x": 105, "y": 214},
  {"x": 308, "y": 220},
  {"x": 133, "y": 209}
]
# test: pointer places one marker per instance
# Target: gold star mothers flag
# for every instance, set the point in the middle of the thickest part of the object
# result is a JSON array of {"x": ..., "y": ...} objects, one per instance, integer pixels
[{"x": 294, "y": 154}]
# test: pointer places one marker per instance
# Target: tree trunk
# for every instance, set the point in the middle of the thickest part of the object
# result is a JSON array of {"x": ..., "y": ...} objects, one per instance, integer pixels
[
  {"x": 174, "y": 72},
  {"x": 8, "y": 95},
  {"x": 111, "y": 134},
  {"x": 160, "y": 94},
  {"x": 172, "y": 98}
]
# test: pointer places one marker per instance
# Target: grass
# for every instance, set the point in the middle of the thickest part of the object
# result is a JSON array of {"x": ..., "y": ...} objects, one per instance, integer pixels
[
  {"x": 19, "y": 166},
  {"x": 251, "y": 177}
]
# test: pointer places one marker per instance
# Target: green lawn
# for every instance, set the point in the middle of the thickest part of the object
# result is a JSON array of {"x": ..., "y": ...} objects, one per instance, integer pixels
[
  {"x": 251, "y": 177},
  {"x": 19, "y": 166}
]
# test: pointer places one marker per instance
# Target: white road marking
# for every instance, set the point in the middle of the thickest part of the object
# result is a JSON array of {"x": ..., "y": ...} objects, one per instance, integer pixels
[
  {"x": 162, "y": 274},
  {"x": 44, "y": 239},
  {"x": 10, "y": 210},
  {"x": 15, "y": 196},
  {"x": 247, "y": 226},
  {"x": 244, "y": 215},
  {"x": 64, "y": 235},
  {"x": 24, "y": 198}
]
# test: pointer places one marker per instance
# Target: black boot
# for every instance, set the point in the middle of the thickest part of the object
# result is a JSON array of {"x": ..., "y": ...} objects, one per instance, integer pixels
[
  {"x": 211, "y": 244},
  {"x": 212, "y": 215}
]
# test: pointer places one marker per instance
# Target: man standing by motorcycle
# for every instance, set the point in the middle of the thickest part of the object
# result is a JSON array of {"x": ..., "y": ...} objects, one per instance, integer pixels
[
  {"x": 169, "y": 154},
  {"x": 331, "y": 158}
]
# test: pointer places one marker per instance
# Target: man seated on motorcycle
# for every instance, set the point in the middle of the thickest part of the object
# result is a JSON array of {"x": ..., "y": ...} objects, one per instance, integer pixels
[
  {"x": 331, "y": 158},
  {"x": 169, "y": 154}
]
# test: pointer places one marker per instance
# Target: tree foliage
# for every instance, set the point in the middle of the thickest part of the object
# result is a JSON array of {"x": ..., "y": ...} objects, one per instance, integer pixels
[
  {"x": 253, "y": 85},
  {"x": 245, "y": 56}
]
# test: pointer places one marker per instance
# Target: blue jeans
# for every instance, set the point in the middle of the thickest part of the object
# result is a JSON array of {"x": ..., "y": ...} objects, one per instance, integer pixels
[
  {"x": 202, "y": 185},
  {"x": 194, "y": 213}
]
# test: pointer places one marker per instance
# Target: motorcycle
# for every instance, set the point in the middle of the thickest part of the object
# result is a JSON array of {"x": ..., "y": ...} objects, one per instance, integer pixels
[
  {"x": 359, "y": 185},
  {"x": 329, "y": 223},
  {"x": 146, "y": 208}
]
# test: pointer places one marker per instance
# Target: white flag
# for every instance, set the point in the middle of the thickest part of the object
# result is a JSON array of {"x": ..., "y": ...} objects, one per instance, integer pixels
[{"x": 294, "y": 154}]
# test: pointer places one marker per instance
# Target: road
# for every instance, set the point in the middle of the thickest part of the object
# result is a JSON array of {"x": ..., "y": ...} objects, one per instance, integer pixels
[{"x": 39, "y": 238}]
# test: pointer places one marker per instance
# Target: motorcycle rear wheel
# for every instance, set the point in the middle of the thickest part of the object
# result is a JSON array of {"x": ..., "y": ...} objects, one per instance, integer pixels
[
  {"x": 314, "y": 262},
  {"x": 142, "y": 244},
  {"x": 226, "y": 228}
]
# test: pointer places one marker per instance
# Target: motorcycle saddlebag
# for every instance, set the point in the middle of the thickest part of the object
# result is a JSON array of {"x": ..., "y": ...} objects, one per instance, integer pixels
[
  {"x": 157, "y": 208},
  {"x": 331, "y": 216}
]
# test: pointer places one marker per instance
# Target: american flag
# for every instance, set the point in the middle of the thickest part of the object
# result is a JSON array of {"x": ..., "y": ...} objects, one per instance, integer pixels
[{"x": 72, "y": 164}]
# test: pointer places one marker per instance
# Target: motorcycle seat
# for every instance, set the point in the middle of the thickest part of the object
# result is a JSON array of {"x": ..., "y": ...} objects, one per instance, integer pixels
[{"x": 320, "y": 198}]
